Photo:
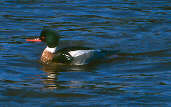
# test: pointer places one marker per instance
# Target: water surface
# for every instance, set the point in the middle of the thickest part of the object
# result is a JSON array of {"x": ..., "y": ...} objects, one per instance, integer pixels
[{"x": 140, "y": 76}]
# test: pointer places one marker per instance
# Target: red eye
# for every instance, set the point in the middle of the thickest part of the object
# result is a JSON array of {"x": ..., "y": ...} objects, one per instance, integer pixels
[{"x": 42, "y": 38}]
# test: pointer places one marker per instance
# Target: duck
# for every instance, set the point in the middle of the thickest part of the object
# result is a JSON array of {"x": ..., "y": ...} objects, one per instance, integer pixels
[{"x": 68, "y": 55}]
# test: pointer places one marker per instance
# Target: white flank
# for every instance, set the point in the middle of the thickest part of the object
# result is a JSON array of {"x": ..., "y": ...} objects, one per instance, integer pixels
[
  {"x": 80, "y": 52},
  {"x": 52, "y": 50}
]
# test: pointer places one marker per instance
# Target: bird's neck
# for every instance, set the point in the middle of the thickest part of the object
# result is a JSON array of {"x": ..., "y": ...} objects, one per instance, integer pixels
[{"x": 51, "y": 50}]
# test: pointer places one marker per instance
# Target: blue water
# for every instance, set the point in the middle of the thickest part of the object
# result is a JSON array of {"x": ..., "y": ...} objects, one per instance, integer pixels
[{"x": 140, "y": 76}]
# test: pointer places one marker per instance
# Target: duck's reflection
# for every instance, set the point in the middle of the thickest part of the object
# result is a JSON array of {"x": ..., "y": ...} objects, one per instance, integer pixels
[{"x": 52, "y": 80}]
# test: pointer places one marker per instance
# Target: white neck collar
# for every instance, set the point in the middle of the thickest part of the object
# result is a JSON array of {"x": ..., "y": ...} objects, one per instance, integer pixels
[{"x": 52, "y": 50}]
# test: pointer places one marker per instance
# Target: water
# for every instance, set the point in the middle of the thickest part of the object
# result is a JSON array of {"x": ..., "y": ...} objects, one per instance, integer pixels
[{"x": 139, "y": 77}]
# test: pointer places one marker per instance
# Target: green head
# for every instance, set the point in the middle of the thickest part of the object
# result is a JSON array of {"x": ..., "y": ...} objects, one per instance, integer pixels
[{"x": 50, "y": 37}]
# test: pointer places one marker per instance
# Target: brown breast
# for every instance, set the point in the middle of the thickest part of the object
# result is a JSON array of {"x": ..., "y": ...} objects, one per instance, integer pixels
[{"x": 47, "y": 57}]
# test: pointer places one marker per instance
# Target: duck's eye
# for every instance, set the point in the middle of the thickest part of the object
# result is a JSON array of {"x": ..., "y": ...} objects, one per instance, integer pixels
[{"x": 42, "y": 38}]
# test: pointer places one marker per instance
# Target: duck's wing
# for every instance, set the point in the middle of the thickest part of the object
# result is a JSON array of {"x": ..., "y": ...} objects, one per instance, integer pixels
[{"x": 62, "y": 57}]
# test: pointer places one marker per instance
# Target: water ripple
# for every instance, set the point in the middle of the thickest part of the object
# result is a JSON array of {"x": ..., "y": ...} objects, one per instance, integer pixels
[{"x": 137, "y": 75}]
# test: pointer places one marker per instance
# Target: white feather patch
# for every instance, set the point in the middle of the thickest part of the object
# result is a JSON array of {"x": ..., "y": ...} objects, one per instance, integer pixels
[
  {"x": 80, "y": 52},
  {"x": 52, "y": 50}
]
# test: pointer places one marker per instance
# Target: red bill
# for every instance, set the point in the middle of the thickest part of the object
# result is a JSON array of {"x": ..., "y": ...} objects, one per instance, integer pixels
[{"x": 34, "y": 40}]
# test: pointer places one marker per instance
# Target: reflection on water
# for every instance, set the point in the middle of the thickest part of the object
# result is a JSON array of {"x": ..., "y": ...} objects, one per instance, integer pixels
[
  {"x": 137, "y": 75},
  {"x": 53, "y": 71}
]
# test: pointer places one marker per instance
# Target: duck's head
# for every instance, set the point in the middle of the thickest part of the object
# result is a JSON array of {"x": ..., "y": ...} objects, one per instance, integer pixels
[{"x": 50, "y": 37}]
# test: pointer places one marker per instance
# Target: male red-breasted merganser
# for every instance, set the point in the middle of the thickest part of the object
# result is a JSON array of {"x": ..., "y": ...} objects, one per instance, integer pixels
[{"x": 70, "y": 55}]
